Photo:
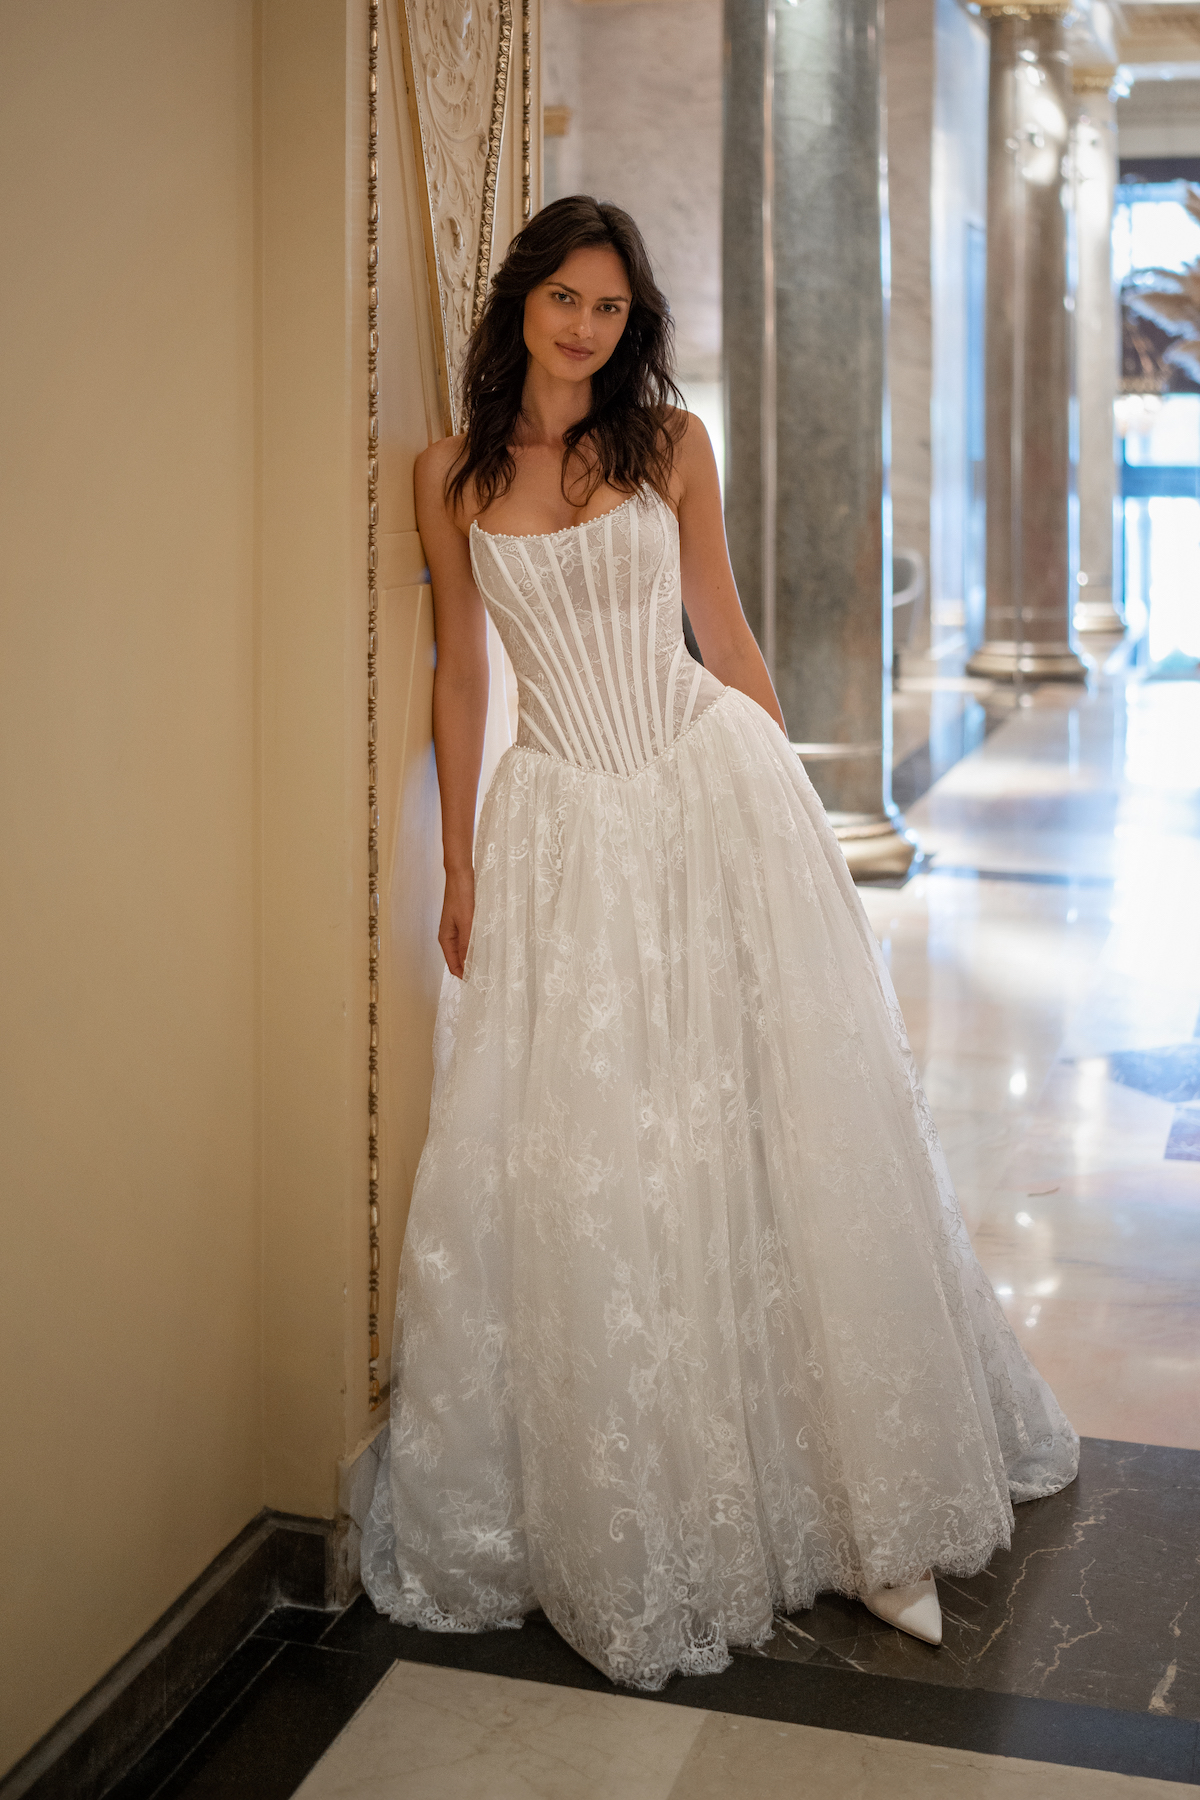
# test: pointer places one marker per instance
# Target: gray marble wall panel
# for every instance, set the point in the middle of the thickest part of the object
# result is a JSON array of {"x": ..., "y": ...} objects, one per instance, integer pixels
[
  {"x": 832, "y": 635},
  {"x": 910, "y": 73},
  {"x": 959, "y": 221},
  {"x": 743, "y": 299},
  {"x": 1029, "y": 474},
  {"x": 642, "y": 82},
  {"x": 562, "y": 86},
  {"x": 830, "y": 331},
  {"x": 1097, "y": 351}
]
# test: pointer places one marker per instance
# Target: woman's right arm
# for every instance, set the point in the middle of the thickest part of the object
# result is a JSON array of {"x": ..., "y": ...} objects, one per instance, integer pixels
[{"x": 460, "y": 692}]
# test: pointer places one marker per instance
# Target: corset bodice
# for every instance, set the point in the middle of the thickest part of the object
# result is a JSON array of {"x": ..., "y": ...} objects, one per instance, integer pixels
[{"x": 592, "y": 620}]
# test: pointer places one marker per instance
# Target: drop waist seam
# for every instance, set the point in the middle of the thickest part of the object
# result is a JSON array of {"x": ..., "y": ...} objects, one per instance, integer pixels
[{"x": 592, "y": 772}]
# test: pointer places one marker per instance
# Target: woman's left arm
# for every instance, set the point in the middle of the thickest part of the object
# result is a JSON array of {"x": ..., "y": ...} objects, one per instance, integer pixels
[{"x": 710, "y": 594}]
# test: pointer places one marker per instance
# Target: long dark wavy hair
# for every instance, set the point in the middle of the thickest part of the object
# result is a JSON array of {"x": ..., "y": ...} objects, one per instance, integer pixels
[{"x": 628, "y": 436}]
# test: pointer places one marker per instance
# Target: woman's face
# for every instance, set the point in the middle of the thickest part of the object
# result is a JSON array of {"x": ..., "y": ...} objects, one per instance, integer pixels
[{"x": 574, "y": 320}]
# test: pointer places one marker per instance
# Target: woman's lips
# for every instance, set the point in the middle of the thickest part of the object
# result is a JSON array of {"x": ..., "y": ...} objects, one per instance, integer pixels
[{"x": 579, "y": 354}]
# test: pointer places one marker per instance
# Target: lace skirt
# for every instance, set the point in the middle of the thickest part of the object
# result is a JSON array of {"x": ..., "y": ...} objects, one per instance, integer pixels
[{"x": 689, "y": 1325}]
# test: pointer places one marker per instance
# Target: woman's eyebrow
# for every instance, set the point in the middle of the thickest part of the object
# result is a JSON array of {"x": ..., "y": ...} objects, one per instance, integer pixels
[{"x": 605, "y": 299}]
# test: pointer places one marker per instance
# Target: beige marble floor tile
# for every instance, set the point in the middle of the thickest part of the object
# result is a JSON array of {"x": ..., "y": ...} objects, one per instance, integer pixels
[
  {"x": 977, "y": 1146},
  {"x": 1125, "y": 1011},
  {"x": 1083, "y": 1122},
  {"x": 755, "y": 1759},
  {"x": 966, "y": 1081},
  {"x": 1017, "y": 994},
  {"x": 428, "y": 1733},
  {"x": 1099, "y": 1275}
]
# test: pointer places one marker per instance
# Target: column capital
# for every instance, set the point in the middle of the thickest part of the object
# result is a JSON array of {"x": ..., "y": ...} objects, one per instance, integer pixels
[
  {"x": 1098, "y": 79},
  {"x": 1026, "y": 9}
]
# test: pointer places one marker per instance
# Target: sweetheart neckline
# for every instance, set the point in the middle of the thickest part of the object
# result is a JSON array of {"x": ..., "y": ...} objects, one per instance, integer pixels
[{"x": 526, "y": 537}]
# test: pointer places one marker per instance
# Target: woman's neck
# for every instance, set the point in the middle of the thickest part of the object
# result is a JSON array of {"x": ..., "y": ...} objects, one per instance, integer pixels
[{"x": 550, "y": 407}]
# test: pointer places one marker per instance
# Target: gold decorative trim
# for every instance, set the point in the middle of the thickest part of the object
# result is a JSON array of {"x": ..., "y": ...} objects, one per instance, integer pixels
[
  {"x": 372, "y": 701},
  {"x": 491, "y": 167},
  {"x": 1092, "y": 81},
  {"x": 526, "y": 124},
  {"x": 1027, "y": 9}
]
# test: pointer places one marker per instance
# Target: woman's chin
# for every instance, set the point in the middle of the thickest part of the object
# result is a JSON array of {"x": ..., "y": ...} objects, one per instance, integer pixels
[{"x": 563, "y": 367}]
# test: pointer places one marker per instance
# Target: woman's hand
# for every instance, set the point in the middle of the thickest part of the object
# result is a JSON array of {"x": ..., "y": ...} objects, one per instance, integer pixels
[{"x": 458, "y": 909}]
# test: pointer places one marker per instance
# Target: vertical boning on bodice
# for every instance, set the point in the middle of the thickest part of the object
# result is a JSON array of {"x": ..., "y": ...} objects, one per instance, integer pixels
[{"x": 592, "y": 619}]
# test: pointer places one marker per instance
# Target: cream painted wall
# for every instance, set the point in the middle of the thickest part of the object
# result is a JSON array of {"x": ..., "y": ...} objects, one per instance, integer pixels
[
  {"x": 313, "y": 745},
  {"x": 1160, "y": 118},
  {"x": 131, "y": 1315},
  {"x": 183, "y": 741}
]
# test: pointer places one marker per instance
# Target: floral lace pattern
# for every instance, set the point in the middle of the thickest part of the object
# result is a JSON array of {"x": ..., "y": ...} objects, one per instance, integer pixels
[{"x": 689, "y": 1324}]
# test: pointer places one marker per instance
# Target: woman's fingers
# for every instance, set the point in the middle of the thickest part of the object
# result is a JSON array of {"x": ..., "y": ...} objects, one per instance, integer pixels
[
  {"x": 448, "y": 939},
  {"x": 455, "y": 937}
]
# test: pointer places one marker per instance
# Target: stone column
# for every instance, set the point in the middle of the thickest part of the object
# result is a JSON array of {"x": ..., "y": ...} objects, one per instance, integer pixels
[
  {"x": 1097, "y": 350},
  {"x": 1028, "y": 353},
  {"x": 804, "y": 298}
]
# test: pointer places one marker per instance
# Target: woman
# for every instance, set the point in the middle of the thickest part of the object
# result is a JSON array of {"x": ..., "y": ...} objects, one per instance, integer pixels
[{"x": 689, "y": 1324}]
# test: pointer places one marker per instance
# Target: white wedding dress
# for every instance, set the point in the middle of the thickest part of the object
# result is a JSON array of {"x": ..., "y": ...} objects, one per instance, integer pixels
[{"x": 689, "y": 1325}]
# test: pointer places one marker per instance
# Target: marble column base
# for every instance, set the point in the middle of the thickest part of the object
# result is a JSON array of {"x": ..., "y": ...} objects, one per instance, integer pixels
[
  {"x": 1005, "y": 660},
  {"x": 1095, "y": 612},
  {"x": 875, "y": 846}
]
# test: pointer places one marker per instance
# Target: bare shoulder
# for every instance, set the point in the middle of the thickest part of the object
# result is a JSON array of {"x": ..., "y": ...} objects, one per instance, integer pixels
[
  {"x": 695, "y": 464},
  {"x": 685, "y": 424},
  {"x": 434, "y": 463},
  {"x": 431, "y": 471}
]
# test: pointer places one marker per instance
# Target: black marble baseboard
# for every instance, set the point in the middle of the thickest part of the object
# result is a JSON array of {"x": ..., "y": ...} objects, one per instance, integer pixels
[{"x": 277, "y": 1558}]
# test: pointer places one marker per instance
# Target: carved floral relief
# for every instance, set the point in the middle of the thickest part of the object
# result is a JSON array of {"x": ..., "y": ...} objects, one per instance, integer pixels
[{"x": 459, "y": 55}]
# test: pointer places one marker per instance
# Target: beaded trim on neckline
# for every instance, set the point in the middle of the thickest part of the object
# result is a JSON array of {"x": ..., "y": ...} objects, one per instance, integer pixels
[{"x": 526, "y": 537}]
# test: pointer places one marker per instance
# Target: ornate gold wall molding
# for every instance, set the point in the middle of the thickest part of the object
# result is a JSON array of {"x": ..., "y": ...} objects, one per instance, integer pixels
[
  {"x": 373, "y": 1390},
  {"x": 456, "y": 66},
  {"x": 526, "y": 112}
]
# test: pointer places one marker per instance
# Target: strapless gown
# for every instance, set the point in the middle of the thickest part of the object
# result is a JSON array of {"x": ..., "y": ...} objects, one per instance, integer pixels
[{"x": 689, "y": 1325}]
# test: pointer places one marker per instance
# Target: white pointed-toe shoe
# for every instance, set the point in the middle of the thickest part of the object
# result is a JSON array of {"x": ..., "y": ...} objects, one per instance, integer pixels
[{"x": 913, "y": 1609}]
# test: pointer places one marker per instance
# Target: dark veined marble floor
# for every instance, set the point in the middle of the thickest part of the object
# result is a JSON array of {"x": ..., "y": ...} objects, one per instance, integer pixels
[{"x": 1097, "y": 1603}]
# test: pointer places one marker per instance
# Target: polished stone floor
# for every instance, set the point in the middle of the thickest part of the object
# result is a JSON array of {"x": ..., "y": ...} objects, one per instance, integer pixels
[
  {"x": 518, "y": 1738},
  {"x": 1047, "y": 959},
  {"x": 1048, "y": 967},
  {"x": 1097, "y": 1603}
]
